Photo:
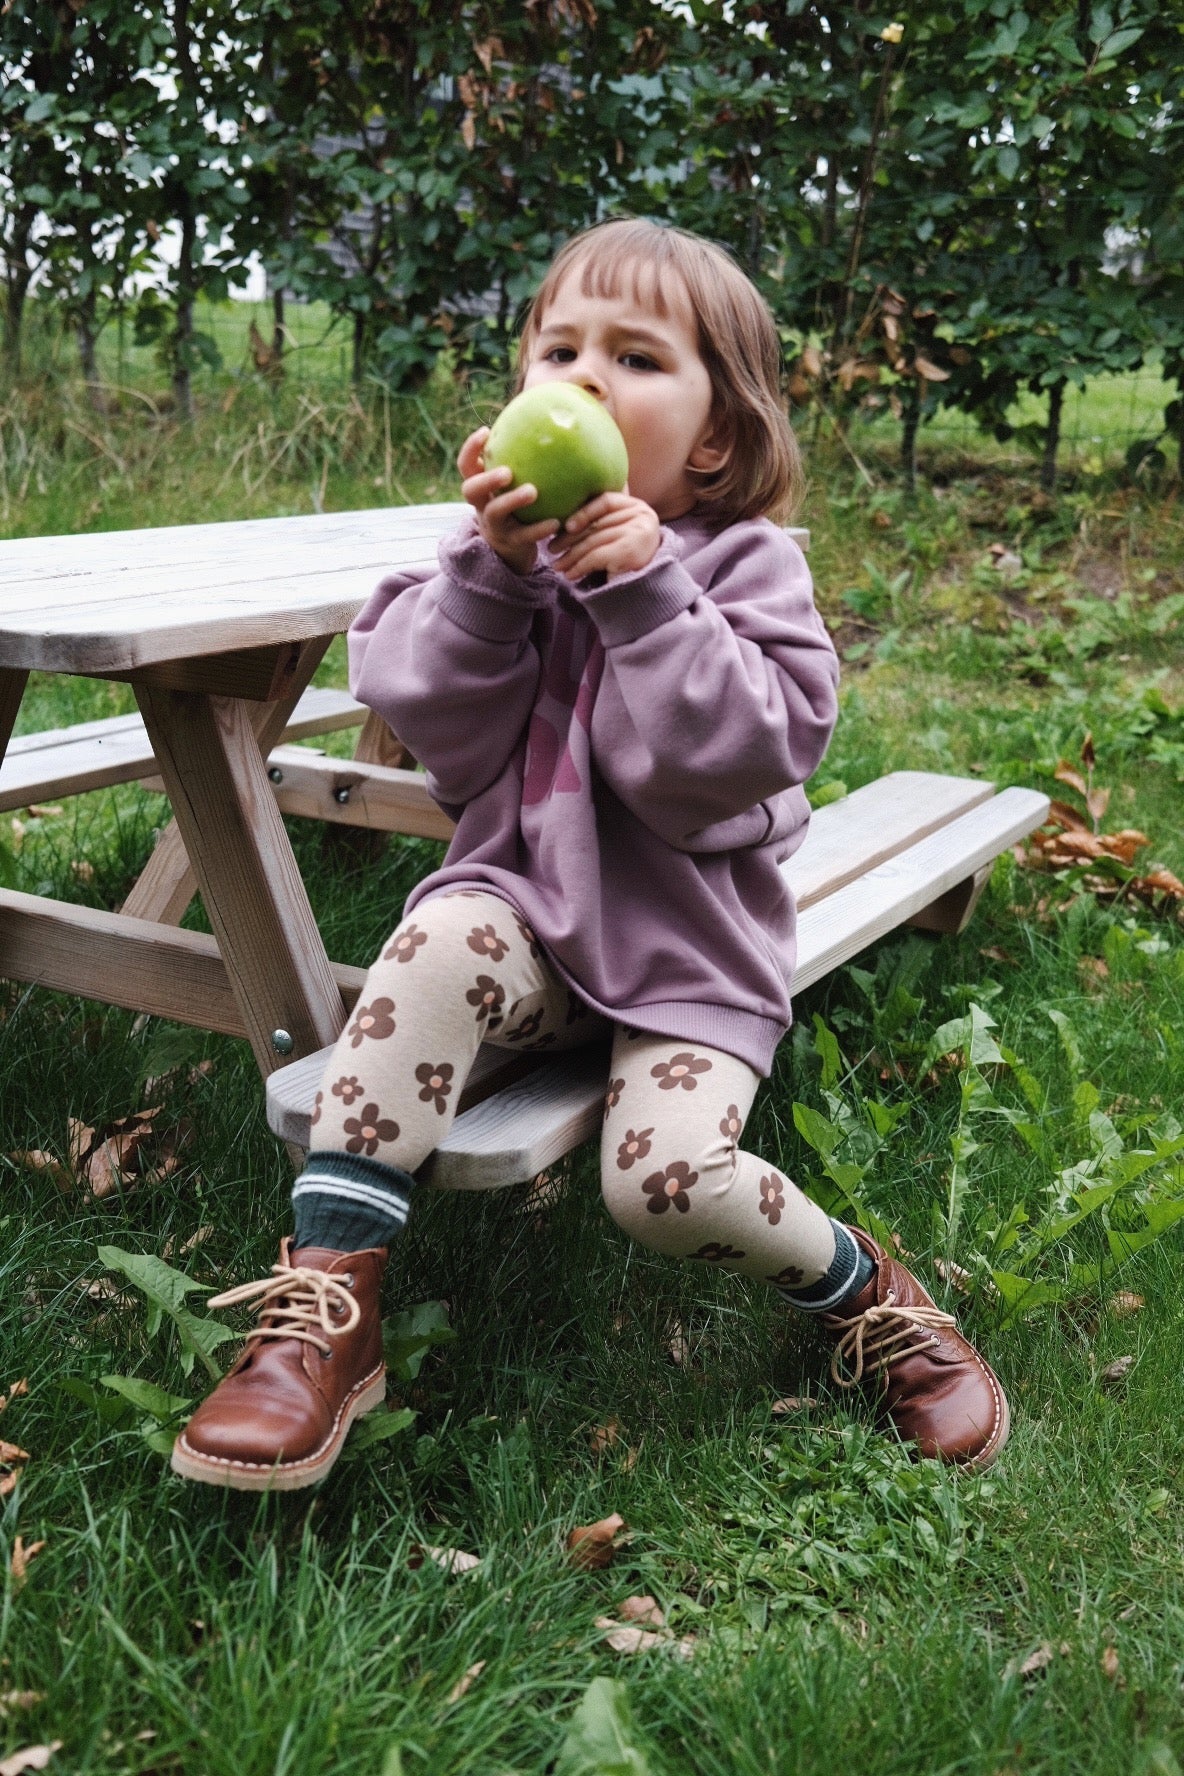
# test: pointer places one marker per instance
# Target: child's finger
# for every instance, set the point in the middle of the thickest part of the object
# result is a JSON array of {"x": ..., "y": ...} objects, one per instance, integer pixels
[
  {"x": 468, "y": 459},
  {"x": 600, "y": 507},
  {"x": 480, "y": 488}
]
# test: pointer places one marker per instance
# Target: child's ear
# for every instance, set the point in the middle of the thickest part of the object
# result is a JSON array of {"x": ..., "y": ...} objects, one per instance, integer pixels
[{"x": 712, "y": 451}]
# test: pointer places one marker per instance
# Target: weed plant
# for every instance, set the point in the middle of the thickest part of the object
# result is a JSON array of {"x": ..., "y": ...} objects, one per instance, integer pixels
[{"x": 971, "y": 1095}]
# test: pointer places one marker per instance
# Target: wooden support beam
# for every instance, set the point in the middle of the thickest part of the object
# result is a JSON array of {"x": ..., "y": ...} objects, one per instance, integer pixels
[
  {"x": 136, "y": 963},
  {"x": 209, "y": 755},
  {"x": 380, "y": 797}
]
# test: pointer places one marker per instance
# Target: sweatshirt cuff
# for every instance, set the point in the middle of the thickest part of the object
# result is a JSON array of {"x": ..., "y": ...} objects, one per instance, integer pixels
[
  {"x": 484, "y": 596},
  {"x": 631, "y": 605}
]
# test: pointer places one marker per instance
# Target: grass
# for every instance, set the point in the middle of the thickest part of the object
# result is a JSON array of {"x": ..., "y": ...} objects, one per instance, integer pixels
[{"x": 846, "y": 1604}]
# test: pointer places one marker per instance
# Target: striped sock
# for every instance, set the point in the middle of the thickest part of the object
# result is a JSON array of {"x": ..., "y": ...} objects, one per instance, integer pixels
[
  {"x": 850, "y": 1271},
  {"x": 348, "y": 1204}
]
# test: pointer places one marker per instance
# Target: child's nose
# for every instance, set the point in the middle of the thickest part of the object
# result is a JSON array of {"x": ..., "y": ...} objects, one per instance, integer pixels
[{"x": 586, "y": 375}]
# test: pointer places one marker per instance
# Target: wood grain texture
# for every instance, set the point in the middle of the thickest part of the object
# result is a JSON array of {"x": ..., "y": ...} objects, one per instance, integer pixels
[
  {"x": 850, "y": 837},
  {"x": 12, "y": 689},
  {"x": 378, "y": 744},
  {"x": 208, "y": 751},
  {"x": 58, "y": 762},
  {"x": 379, "y": 797},
  {"x": 168, "y": 881},
  {"x": 120, "y": 600},
  {"x": 521, "y": 1130},
  {"x": 135, "y": 963},
  {"x": 953, "y": 911}
]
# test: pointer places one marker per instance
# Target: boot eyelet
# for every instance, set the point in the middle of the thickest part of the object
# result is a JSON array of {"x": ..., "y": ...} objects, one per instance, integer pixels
[
  {"x": 326, "y": 1351},
  {"x": 348, "y": 1279}
]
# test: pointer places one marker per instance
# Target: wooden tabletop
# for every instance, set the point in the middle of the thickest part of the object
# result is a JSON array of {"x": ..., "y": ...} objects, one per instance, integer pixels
[{"x": 115, "y": 600}]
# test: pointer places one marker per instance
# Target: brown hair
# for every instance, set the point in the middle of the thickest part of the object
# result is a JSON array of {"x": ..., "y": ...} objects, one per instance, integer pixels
[{"x": 738, "y": 344}]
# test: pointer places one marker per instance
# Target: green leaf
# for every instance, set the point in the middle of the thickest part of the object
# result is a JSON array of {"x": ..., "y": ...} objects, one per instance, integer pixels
[
  {"x": 147, "y": 1397},
  {"x": 408, "y": 1336},
  {"x": 816, "y": 1130},
  {"x": 166, "y": 1290},
  {"x": 377, "y": 1427},
  {"x": 598, "y": 1740},
  {"x": 1118, "y": 41},
  {"x": 1069, "y": 1040},
  {"x": 827, "y": 1046}
]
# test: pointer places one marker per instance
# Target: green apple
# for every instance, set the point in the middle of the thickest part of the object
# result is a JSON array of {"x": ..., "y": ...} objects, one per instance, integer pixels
[{"x": 564, "y": 442}]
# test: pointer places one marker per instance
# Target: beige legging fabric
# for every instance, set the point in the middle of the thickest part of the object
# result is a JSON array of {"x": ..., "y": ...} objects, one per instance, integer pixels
[{"x": 464, "y": 969}]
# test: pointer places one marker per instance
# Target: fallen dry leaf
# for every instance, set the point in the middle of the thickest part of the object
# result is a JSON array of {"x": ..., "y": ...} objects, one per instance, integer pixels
[
  {"x": 604, "y": 1437},
  {"x": 1035, "y": 1662},
  {"x": 643, "y": 1640},
  {"x": 35, "y": 1159},
  {"x": 792, "y": 1403},
  {"x": 83, "y": 871},
  {"x": 12, "y": 1700},
  {"x": 678, "y": 1344},
  {"x": 44, "y": 810},
  {"x": 452, "y": 1560},
  {"x": 1109, "y": 1664},
  {"x": 462, "y": 1684},
  {"x": 12, "y": 1461},
  {"x": 21, "y": 1558},
  {"x": 591, "y": 1546},
  {"x": 1115, "y": 1373},
  {"x": 33, "y": 1757},
  {"x": 953, "y": 1274},
  {"x": 995, "y": 953},
  {"x": 17, "y": 1391},
  {"x": 1123, "y": 1304},
  {"x": 642, "y": 1609}
]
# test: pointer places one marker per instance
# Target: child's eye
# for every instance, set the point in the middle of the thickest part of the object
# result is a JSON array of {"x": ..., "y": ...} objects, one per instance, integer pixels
[
  {"x": 560, "y": 354},
  {"x": 638, "y": 361}
]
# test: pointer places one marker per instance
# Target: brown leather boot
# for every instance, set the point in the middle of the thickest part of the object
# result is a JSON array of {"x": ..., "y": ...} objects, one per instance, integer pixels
[
  {"x": 314, "y": 1363},
  {"x": 937, "y": 1390}
]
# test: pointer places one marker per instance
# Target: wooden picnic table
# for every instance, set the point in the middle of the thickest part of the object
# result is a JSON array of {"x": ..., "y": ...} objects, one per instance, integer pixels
[{"x": 218, "y": 628}]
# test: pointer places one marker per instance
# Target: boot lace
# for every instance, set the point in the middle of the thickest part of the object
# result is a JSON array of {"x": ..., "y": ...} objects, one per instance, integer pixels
[
  {"x": 294, "y": 1300},
  {"x": 874, "y": 1339}
]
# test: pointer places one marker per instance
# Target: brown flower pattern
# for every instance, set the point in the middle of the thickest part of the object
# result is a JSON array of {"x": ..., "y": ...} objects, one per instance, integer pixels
[
  {"x": 528, "y": 936},
  {"x": 528, "y": 1027},
  {"x": 316, "y": 1109},
  {"x": 543, "y": 1041},
  {"x": 669, "y": 1188},
  {"x": 367, "y": 1129},
  {"x": 612, "y": 1096},
  {"x": 486, "y": 942},
  {"x": 375, "y": 1020},
  {"x": 732, "y": 1124},
  {"x": 635, "y": 1146},
  {"x": 404, "y": 944},
  {"x": 348, "y": 1088},
  {"x": 789, "y": 1278},
  {"x": 772, "y": 1198},
  {"x": 680, "y": 1069},
  {"x": 488, "y": 998},
  {"x": 435, "y": 1084},
  {"x": 714, "y": 1253}
]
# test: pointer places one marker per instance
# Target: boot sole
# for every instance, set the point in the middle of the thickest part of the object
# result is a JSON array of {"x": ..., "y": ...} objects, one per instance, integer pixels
[{"x": 281, "y": 1476}]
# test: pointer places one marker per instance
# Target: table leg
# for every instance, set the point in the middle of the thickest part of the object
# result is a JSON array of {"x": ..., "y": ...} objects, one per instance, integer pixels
[
  {"x": 209, "y": 756},
  {"x": 165, "y": 886},
  {"x": 12, "y": 689}
]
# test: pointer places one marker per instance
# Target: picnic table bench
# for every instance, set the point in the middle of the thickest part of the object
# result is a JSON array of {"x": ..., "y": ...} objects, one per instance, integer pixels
[{"x": 219, "y": 629}]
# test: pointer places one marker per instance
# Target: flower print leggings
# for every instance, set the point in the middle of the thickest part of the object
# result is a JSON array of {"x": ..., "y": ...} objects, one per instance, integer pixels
[{"x": 464, "y": 969}]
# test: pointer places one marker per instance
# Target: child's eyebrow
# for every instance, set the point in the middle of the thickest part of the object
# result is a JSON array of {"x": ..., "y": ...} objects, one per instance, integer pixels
[{"x": 643, "y": 333}]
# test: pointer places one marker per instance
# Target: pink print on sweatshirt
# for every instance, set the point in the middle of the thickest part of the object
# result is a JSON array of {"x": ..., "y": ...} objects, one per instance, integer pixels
[{"x": 575, "y": 662}]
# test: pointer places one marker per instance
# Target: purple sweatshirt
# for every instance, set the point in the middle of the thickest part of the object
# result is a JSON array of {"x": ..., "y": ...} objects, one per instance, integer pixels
[{"x": 623, "y": 761}]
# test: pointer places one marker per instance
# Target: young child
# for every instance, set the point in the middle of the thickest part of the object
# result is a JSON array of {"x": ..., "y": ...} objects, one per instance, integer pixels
[{"x": 619, "y": 714}]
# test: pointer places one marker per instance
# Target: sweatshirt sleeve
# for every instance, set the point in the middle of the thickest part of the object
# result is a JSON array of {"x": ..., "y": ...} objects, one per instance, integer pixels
[
  {"x": 449, "y": 663},
  {"x": 723, "y": 683}
]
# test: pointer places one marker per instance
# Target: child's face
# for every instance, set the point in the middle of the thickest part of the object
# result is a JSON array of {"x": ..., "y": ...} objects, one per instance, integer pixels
[{"x": 645, "y": 367}]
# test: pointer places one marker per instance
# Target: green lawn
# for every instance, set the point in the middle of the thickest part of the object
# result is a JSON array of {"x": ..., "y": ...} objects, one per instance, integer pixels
[{"x": 839, "y": 1603}]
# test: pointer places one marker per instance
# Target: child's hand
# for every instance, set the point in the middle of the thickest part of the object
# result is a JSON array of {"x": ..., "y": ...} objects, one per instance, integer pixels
[
  {"x": 613, "y": 534},
  {"x": 485, "y": 490}
]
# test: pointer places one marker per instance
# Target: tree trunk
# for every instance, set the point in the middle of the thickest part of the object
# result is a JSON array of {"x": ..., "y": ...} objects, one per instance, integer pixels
[
  {"x": 183, "y": 331},
  {"x": 910, "y": 420},
  {"x": 359, "y": 346},
  {"x": 86, "y": 328},
  {"x": 277, "y": 332},
  {"x": 18, "y": 275},
  {"x": 1052, "y": 436}
]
